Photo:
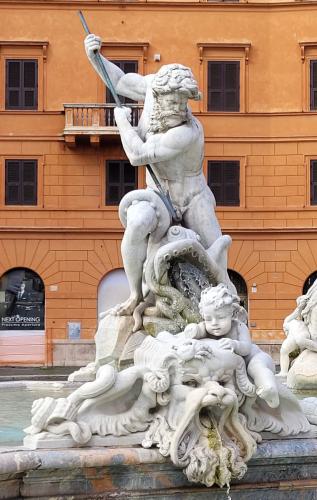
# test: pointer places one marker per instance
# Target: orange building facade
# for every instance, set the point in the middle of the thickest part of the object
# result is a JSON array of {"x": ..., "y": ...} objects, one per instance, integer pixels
[{"x": 70, "y": 237}]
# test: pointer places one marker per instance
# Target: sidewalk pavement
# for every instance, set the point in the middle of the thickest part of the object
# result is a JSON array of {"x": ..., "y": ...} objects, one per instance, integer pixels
[{"x": 16, "y": 373}]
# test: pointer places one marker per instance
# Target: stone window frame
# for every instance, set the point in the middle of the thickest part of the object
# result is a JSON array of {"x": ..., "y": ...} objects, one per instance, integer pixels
[
  {"x": 308, "y": 53},
  {"x": 40, "y": 182},
  {"x": 307, "y": 165},
  {"x": 224, "y": 51},
  {"x": 33, "y": 50}
]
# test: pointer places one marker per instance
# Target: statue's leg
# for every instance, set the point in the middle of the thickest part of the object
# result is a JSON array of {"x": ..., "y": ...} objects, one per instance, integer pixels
[
  {"x": 200, "y": 217},
  {"x": 289, "y": 345},
  {"x": 105, "y": 379},
  {"x": 141, "y": 221},
  {"x": 261, "y": 369}
]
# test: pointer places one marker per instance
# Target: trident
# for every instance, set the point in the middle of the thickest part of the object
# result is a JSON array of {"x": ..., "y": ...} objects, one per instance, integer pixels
[{"x": 164, "y": 195}]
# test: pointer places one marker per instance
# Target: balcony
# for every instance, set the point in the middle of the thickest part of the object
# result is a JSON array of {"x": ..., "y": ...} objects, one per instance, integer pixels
[{"x": 93, "y": 121}]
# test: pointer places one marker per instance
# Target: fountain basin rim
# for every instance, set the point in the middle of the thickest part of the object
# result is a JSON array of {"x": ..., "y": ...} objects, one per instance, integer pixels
[{"x": 20, "y": 459}]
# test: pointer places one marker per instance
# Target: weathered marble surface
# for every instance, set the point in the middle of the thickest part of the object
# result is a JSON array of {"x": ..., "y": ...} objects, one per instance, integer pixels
[
  {"x": 112, "y": 334},
  {"x": 280, "y": 470},
  {"x": 303, "y": 373}
]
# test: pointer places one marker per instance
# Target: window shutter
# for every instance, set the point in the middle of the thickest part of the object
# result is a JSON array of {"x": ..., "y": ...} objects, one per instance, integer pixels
[
  {"x": 21, "y": 182},
  {"x": 29, "y": 90},
  {"x": 215, "y": 179},
  {"x": 129, "y": 66},
  {"x": 231, "y": 178},
  {"x": 232, "y": 86},
  {"x": 313, "y": 182},
  {"x": 113, "y": 182},
  {"x": 121, "y": 178},
  {"x": 21, "y": 84},
  {"x": 129, "y": 177},
  {"x": 12, "y": 182},
  {"x": 13, "y": 84},
  {"x": 29, "y": 182},
  {"x": 215, "y": 86},
  {"x": 223, "y": 86},
  {"x": 126, "y": 67},
  {"x": 224, "y": 181},
  {"x": 313, "y": 84}
]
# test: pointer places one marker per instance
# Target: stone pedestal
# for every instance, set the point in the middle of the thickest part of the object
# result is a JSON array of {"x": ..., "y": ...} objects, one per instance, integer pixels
[
  {"x": 303, "y": 372},
  {"x": 111, "y": 337}
]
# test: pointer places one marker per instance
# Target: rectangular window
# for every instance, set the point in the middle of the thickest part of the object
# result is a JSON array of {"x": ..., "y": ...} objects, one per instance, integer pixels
[
  {"x": 223, "y": 85},
  {"x": 21, "y": 84},
  {"x": 121, "y": 178},
  {"x": 224, "y": 181},
  {"x": 21, "y": 182},
  {"x": 126, "y": 67},
  {"x": 313, "y": 85},
  {"x": 313, "y": 182}
]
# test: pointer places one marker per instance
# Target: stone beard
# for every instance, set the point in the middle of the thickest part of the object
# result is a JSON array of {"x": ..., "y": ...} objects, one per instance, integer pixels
[{"x": 172, "y": 86}]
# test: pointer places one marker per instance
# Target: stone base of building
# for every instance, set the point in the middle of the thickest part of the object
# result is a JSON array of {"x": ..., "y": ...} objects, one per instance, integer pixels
[
  {"x": 73, "y": 352},
  {"x": 272, "y": 347},
  {"x": 280, "y": 470}
]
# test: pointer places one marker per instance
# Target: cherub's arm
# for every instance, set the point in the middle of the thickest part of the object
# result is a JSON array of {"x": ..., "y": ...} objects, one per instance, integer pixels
[
  {"x": 243, "y": 345},
  {"x": 159, "y": 147}
]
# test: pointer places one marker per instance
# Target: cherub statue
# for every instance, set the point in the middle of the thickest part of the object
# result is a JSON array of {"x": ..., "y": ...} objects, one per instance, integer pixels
[
  {"x": 300, "y": 328},
  {"x": 219, "y": 308}
]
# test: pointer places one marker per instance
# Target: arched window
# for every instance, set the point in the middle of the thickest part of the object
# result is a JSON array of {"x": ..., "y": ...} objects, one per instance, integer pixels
[
  {"x": 310, "y": 280},
  {"x": 22, "y": 300},
  {"x": 241, "y": 287},
  {"x": 113, "y": 289}
]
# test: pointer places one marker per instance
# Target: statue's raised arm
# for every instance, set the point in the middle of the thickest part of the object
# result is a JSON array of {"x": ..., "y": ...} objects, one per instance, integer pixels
[{"x": 130, "y": 85}]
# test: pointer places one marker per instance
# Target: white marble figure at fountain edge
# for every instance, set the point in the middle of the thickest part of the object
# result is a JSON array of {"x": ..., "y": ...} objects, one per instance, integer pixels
[
  {"x": 300, "y": 328},
  {"x": 203, "y": 394}
]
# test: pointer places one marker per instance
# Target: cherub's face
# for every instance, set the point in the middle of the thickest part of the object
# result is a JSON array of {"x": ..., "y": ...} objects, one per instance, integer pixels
[{"x": 218, "y": 321}]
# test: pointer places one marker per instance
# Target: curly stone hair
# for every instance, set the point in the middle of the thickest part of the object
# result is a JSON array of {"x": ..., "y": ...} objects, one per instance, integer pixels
[
  {"x": 175, "y": 78},
  {"x": 218, "y": 296}
]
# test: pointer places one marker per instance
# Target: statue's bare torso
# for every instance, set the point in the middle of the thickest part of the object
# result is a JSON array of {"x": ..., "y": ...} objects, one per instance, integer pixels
[{"x": 180, "y": 168}]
